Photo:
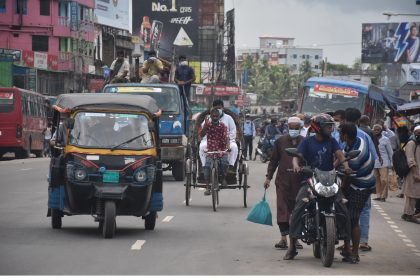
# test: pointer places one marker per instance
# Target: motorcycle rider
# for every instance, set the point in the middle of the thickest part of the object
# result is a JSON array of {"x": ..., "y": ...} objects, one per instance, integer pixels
[
  {"x": 319, "y": 152},
  {"x": 271, "y": 131}
]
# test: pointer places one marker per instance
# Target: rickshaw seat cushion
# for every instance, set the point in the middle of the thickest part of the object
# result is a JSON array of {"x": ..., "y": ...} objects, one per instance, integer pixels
[
  {"x": 56, "y": 196},
  {"x": 157, "y": 202}
]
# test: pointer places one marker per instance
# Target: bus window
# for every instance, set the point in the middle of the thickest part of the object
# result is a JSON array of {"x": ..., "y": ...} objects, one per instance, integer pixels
[{"x": 6, "y": 102}]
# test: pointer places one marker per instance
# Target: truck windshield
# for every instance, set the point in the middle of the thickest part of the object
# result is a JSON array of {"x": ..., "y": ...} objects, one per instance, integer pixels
[
  {"x": 168, "y": 99},
  {"x": 106, "y": 130},
  {"x": 315, "y": 102}
]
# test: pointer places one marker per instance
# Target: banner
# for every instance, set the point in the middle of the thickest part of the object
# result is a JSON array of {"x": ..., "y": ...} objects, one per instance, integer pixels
[
  {"x": 165, "y": 24},
  {"x": 113, "y": 13},
  {"x": 390, "y": 42},
  {"x": 10, "y": 55},
  {"x": 222, "y": 90},
  {"x": 41, "y": 60}
]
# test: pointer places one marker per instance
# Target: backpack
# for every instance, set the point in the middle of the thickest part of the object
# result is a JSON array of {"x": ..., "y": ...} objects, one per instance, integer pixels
[{"x": 399, "y": 162}]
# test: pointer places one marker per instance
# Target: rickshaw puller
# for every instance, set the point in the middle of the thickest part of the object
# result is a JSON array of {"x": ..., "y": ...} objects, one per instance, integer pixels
[{"x": 217, "y": 140}]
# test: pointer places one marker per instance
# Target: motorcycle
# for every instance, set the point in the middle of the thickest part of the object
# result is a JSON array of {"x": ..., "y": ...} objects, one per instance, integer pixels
[
  {"x": 320, "y": 216},
  {"x": 265, "y": 152}
]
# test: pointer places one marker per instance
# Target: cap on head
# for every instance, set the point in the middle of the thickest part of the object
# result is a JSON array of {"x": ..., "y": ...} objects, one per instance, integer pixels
[{"x": 218, "y": 102}]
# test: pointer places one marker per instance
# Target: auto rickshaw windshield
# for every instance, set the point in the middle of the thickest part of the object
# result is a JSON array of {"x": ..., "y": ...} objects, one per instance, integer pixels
[{"x": 107, "y": 130}]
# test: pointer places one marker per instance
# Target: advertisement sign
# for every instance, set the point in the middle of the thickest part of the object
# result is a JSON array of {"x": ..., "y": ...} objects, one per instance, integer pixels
[
  {"x": 114, "y": 13},
  {"x": 222, "y": 90},
  {"x": 390, "y": 42},
  {"x": 163, "y": 24},
  {"x": 28, "y": 58},
  {"x": 40, "y": 60},
  {"x": 53, "y": 62},
  {"x": 10, "y": 55}
]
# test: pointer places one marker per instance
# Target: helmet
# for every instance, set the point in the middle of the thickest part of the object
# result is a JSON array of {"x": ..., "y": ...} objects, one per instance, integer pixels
[{"x": 319, "y": 121}]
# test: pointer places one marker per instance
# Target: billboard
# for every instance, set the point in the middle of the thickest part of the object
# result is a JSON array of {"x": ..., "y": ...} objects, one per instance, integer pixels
[
  {"x": 113, "y": 13},
  {"x": 165, "y": 24},
  {"x": 390, "y": 42}
]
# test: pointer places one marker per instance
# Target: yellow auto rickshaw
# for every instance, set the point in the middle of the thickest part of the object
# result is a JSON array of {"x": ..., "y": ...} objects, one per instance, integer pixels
[{"x": 105, "y": 159}]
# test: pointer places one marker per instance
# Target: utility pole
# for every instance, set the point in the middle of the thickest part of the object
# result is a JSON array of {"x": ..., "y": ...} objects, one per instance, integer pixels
[{"x": 216, "y": 39}]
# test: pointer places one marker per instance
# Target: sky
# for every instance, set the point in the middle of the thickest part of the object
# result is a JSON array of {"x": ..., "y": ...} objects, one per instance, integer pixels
[{"x": 333, "y": 25}]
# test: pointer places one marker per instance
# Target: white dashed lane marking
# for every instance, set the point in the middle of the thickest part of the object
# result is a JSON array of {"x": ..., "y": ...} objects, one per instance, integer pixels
[
  {"x": 138, "y": 244},
  {"x": 25, "y": 169},
  {"x": 167, "y": 219},
  {"x": 391, "y": 223}
]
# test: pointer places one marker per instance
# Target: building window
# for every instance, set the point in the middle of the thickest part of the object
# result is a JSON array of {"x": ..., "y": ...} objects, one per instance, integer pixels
[
  {"x": 21, "y": 6},
  {"x": 44, "y": 7},
  {"x": 295, "y": 56},
  {"x": 2, "y": 6},
  {"x": 316, "y": 66},
  {"x": 316, "y": 56},
  {"x": 39, "y": 43},
  {"x": 282, "y": 56}
]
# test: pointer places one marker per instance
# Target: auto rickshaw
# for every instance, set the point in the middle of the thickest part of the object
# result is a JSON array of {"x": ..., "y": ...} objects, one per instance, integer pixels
[
  {"x": 194, "y": 177},
  {"x": 105, "y": 159}
]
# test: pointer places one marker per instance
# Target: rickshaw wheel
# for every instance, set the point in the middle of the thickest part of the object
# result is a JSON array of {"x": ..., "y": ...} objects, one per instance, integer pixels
[
  {"x": 214, "y": 186},
  {"x": 188, "y": 189},
  {"x": 56, "y": 221},
  {"x": 108, "y": 230},
  {"x": 150, "y": 221},
  {"x": 245, "y": 187}
]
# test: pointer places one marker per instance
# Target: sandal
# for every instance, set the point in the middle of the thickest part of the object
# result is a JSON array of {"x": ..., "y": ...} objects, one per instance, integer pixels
[
  {"x": 365, "y": 247},
  {"x": 282, "y": 244},
  {"x": 290, "y": 255},
  {"x": 349, "y": 257},
  {"x": 298, "y": 245}
]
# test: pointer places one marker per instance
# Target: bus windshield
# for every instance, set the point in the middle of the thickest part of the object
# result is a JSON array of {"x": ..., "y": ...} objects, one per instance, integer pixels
[
  {"x": 167, "y": 99},
  {"x": 106, "y": 130},
  {"x": 322, "y": 98}
]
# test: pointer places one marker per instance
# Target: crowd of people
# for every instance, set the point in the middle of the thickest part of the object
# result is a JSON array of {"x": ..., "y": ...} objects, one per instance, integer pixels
[{"x": 323, "y": 141}]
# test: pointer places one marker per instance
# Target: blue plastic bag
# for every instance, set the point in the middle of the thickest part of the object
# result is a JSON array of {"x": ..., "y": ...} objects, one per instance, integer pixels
[{"x": 261, "y": 213}]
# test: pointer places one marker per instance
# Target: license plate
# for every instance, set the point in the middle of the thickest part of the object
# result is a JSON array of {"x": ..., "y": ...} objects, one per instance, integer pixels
[{"x": 111, "y": 177}]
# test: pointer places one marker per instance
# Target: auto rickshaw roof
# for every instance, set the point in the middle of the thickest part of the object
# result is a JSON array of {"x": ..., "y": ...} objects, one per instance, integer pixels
[{"x": 74, "y": 101}]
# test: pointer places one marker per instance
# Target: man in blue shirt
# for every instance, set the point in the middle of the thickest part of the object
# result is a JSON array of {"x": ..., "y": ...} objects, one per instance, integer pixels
[
  {"x": 318, "y": 151},
  {"x": 249, "y": 134},
  {"x": 184, "y": 77}
]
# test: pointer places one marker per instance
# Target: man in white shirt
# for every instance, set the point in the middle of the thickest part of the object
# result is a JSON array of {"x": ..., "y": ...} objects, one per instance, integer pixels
[
  {"x": 120, "y": 69},
  {"x": 230, "y": 123}
]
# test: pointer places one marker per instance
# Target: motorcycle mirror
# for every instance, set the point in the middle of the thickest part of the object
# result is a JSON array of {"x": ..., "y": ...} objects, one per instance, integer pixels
[{"x": 352, "y": 154}]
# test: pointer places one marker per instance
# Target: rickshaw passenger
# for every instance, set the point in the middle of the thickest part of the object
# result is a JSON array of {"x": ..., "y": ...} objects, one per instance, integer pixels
[
  {"x": 230, "y": 123},
  {"x": 217, "y": 140}
]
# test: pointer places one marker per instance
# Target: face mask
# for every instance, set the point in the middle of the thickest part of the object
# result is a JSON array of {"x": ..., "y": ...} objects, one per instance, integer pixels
[
  {"x": 294, "y": 133},
  {"x": 220, "y": 112},
  {"x": 312, "y": 134},
  {"x": 183, "y": 63}
]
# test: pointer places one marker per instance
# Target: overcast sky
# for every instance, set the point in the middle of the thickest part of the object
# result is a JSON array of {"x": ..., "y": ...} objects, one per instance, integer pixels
[{"x": 333, "y": 25}]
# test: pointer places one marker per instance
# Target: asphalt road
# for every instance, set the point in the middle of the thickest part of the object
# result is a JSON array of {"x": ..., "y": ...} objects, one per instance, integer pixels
[{"x": 191, "y": 240}]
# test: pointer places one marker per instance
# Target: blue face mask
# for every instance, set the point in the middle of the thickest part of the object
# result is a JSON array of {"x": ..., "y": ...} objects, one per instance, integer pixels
[{"x": 294, "y": 133}]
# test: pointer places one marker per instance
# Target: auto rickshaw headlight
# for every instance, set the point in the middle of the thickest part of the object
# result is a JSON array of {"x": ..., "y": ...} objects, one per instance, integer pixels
[
  {"x": 80, "y": 174},
  {"x": 140, "y": 175}
]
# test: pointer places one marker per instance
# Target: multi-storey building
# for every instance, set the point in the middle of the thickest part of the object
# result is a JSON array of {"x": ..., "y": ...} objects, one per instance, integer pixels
[
  {"x": 52, "y": 41},
  {"x": 281, "y": 51}
]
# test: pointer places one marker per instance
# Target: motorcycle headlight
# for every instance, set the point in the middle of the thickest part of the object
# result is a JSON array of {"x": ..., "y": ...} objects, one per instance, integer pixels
[
  {"x": 140, "y": 175},
  {"x": 80, "y": 174},
  {"x": 326, "y": 191}
]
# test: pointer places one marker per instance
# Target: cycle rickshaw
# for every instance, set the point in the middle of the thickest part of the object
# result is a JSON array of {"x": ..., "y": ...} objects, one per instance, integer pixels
[{"x": 194, "y": 169}]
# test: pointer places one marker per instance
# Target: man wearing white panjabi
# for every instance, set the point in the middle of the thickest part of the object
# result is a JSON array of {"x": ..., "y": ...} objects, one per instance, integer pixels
[{"x": 230, "y": 123}]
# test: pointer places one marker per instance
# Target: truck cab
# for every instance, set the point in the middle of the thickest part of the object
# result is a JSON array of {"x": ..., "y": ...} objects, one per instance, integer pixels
[{"x": 173, "y": 127}]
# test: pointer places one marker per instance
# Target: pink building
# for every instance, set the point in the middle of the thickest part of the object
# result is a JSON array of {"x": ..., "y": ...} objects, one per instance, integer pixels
[{"x": 52, "y": 36}]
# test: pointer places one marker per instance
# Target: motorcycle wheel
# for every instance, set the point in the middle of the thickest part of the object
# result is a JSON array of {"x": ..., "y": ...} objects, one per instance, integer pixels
[
  {"x": 109, "y": 225},
  {"x": 328, "y": 242},
  {"x": 316, "y": 250}
]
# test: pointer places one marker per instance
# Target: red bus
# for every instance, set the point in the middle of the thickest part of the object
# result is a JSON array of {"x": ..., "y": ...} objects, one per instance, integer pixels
[{"x": 23, "y": 118}]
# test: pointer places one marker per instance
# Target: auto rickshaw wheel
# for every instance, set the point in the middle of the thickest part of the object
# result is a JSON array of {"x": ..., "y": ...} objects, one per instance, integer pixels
[
  {"x": 150, "y": 221},
  {"x": 109, "y": 226},
  {"x": 188, "y": 189},
  {"x": 56, "y": 215}
]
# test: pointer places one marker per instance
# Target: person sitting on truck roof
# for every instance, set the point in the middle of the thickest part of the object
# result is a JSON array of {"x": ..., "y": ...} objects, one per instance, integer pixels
[{"x": 151, "y": 69}]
